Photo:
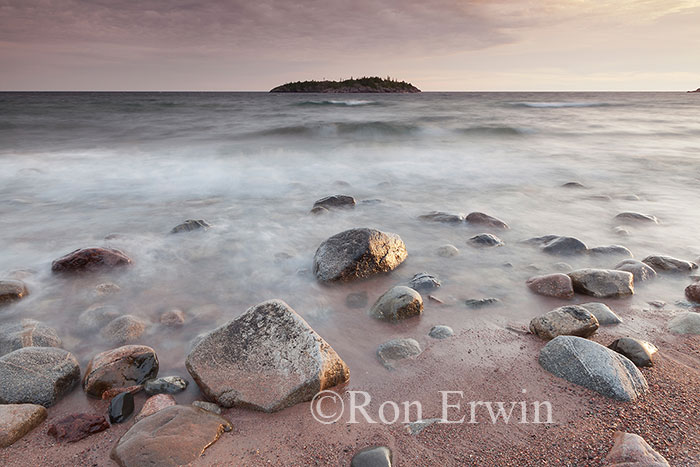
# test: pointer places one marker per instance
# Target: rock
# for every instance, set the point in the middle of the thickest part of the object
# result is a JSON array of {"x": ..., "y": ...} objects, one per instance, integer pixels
[
  {"x": 122, "y": 367},
  {"x": 564, "y": 246},
  {"x": 121, "y": 407},
  {"x": 602, "y": 283},
  {"x": 640, "y": 352},
  {"x": 90, "y": 260},
  {"x": 636, "y": 217},
  {"x": 424, "y": 282},
  {"x": 602, "y": 313},
  {"x": 335, "y": 201},
  {"x": 692, "y": 292},
  {"x": 165, "y": 385},
  {"x": 12, "y": 290},
  {"x": 570, "y": 320},
  {"x": 479, "y": 218},
  {"x": 589, "y": 364},
  {"x": 475, "y": 303},
  {"x": 621, "y": 231},
  {"x": 173, "y": 317},
  {"x": 155, "y": 404},
  {"x": 685, "y": 323},
  {"x": 669, "y": 264},
  {"x": 397, "y": 303},
  {"x": 541, "y": 241},
  {"x": 27, "y": 333},
  {"x": 37, "y": 375},
  {"x": 377, "y": 456},
  {"x": 447, "y": 251},
  {"x": 573, "y": 185},
  {"x": 611, "y": 250},
  {"x": 109, "y": 394},
  {"x": 108, "y": 288},
  {"x": 441, "y": 332},
  {"x": 357, "y": 300},
  {"x": 630, "y": 450},
  {"x": 563, "y": 267},
  {"x": 77, "y": 426},
  {"x": 267, "y": 359},
  {"x": 208, "y": 406},
  {"x": 657, "y": 303},
  {"x": 191, "y": 225},
  {"x": 552, "y": 285},
  {"x": 358, "y": 253},
  {"x": 392, "y": 352},
  {"x": 319, "y": 210},
  {"x": 96, "y": 317},
  {"x": 124, "y": 330},
  {"x": 444, "y": 217},
  {"x": 485, "y": 240},
  {"x": 174, "y": 436},
  {"x": 641, "y": 271},
  {"x": 16, "y": 420}
]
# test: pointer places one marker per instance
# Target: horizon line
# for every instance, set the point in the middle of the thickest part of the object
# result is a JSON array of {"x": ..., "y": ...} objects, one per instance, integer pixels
[{"x": 330, "y": 93}]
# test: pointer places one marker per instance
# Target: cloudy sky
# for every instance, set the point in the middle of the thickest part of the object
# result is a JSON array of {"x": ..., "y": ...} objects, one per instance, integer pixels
[{"x": 436, "y": 44}]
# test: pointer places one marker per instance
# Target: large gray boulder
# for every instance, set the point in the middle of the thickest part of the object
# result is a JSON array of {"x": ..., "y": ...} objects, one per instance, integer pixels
[
  {"x": 602, "y": 312},
  {"x": 267, "y": 359},
  {"x": 27, "y": 333},
  {"x": 564, "y": 321},
  {"x": 397, "y": 303},
  {"x": 602, "y": 283},
  {"x": 358, "y": 253},
  {"x": 37, "y": 375},
  {"x": 670, "y": 264},
  {"x": 593, "y": 366},
  {"x": 641, "y": 271}
]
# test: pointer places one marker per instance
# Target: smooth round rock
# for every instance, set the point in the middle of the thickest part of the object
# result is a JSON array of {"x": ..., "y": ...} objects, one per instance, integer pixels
[
  {"x": 692, "y": 292},
  {"x": 641, "y": 271},
  {"x": 126, "y": 366},
  {"x": 486, "y": 240},
  {"x": 37, "y": 375},
  {"x": 669, "y": 264},
  {"x": 567, "y": 320},
  {"x": 443, "y": 217},
  {"x": 424, "y": 282},
  {"x": 685, "y": 323},
  {"x": 602, "y": 312},
  {"x": 636, "y": 218},
  {"x": 125, "y": 329},
  {"x": 447, "y": 251},
  {"x": 90, "y": 260},
  {"x": 397, "y": 303},
  {"x": 441, "y": 332},
  {"x": 377, "y": 456},
  {"x": 27, "y": 333},
  {"x": 96, "y": 317},
  {"x": 564, "y": 246},
  {"x": 640, "y": 352},
  {"x": 12, "y": 290},
  {"x": 16, "y": 420},
  {"x": 552, "y": 285},
  {"x": 333, "y": 202},
  {"x": 610, "y": 250},
  {"x": 479, "y": 218},
  {"x": 603, "y": 283},
  {"x": 392, "y": 352}
]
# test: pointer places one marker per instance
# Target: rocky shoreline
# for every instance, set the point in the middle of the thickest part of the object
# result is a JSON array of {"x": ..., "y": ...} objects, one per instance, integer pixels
[{"x": 266, "y": 364}]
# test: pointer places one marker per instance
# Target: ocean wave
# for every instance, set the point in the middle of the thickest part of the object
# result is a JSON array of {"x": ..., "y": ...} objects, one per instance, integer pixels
[
  {"x": 341, "y": 103},
  {"x": 559, "y": 105},
  {"x": 494, "y": 131},
  {"x": 342, "y": 129}
]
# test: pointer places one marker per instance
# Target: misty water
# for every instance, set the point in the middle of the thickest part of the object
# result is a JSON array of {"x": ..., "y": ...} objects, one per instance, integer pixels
[{"x": 122, "y": 169}]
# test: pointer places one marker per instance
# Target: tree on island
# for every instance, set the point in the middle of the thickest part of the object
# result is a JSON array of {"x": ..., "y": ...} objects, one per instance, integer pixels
[{"x": 370, "y": 84}]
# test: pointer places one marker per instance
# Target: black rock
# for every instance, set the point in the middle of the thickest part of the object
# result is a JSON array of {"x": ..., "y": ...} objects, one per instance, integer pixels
[
  {"x": 191, "y": 224},
  {"x": 486, "y": 240},
  {"x": 379, "y": 456},
  {"x": 335, "y": 201},
  {"x": 121, "y": 407}
]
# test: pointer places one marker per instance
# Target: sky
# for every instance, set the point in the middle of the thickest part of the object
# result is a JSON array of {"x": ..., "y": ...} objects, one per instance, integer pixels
[{"x": 438, "y": 45}]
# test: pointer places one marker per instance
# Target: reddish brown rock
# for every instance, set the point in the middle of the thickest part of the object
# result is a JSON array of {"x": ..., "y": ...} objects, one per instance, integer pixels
[
  {"x": 12, "y": 290},
  {"x": 110, "y": 393},
  {"x": 631, "y": 450},
  {"x": 155, "y": 404},
  {"x": 174, "y": 436},
  {"x": 90, "y": 260},
  {"x": 479, "y": 218},
  {"x": 552, "y": 285},
  {"x": 16, "y": 420},
  {"x": 692, "y": 292},
  {"x": 77, "y": 426},
  {"x": 122, "y": 367}
]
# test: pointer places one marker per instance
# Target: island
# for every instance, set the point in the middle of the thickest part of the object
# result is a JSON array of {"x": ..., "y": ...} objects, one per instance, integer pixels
[
  {"x": 697, "y": 90},
  {"x": 371, "y": 84}
]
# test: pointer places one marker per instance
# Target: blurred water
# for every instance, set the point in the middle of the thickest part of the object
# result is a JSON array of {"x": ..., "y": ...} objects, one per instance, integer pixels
[{"x": 77, "y": 167}]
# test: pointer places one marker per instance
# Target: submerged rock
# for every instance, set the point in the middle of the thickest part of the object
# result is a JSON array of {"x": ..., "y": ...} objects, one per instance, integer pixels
[
  {"x": 357, "y": 300},
  {"x": 191, "y": 225},
  {"x": 96, "y": 317},
  {"x": 669, "y": 264},
  {"x": 155, "y": 404},
  {"x": 486, "y": 240},
  {"x": 392, "y": 352},
  {"x": 567, "y": 320},
  {"x": 90, "y": 260},
  {"x": 479, "y": 218},
  {"x": 447, "y": 251},
  {"x": 27, "y": 333},
  {"x": 441, "y": 332},
  {"x": 121, "y": 407},
  {"x": 12, "y": 290},
  {"x": 358, "y": 253},
  {"x": 377, "y": 456},
  {"x": 172, "y": 317},
  {"x": 424, "y": 282},
  {"x": 332, "y": 202},
  {"x": 475, "y": 303},
  {"x": 107, "y": 288},
  {"x": 397, "y": 303},
  {"x": 630, "y": 450},
  {"x": 165, "y": 385},
  {"x": 444, "y": 217},
  {"x": 16, "y": 420},
  {"x": 636, "y": 217},
  {"x": 640, "y": 352},
  {"x": 602, "y": 283},
  {"x": 208, "y": 406},
  {"x": 573, "y": 184},
  {"x": 641, "y": 271},
  {"x": 611, "y": 250},
  {"x": 37, "y": 375},
  {"x": 267, "y": 359},
  {"x": 124, "y": 330},
  {"x": 589, "y": 364},
  {"x": 123, "y": 367},
  {"x": 552, "y": 285},
  {"x": 174, "y": 436},
  {"x": 685, "y": 323},
  {"x": 602, "y": 312},
  {"x": 564, "y": 246},
  {"x": 692, "y": 293},
  {"x": 77, "y": 426}
]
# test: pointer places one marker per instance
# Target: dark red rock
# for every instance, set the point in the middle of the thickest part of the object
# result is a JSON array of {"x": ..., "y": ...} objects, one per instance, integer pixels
[
  {"x": 123, "y": 367},
  {"x": 90, "y": 260},
  {"x": 692, "y": 292},
  {"x": 552, "y": 285},
  {"x": 77, "y": 426}
]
